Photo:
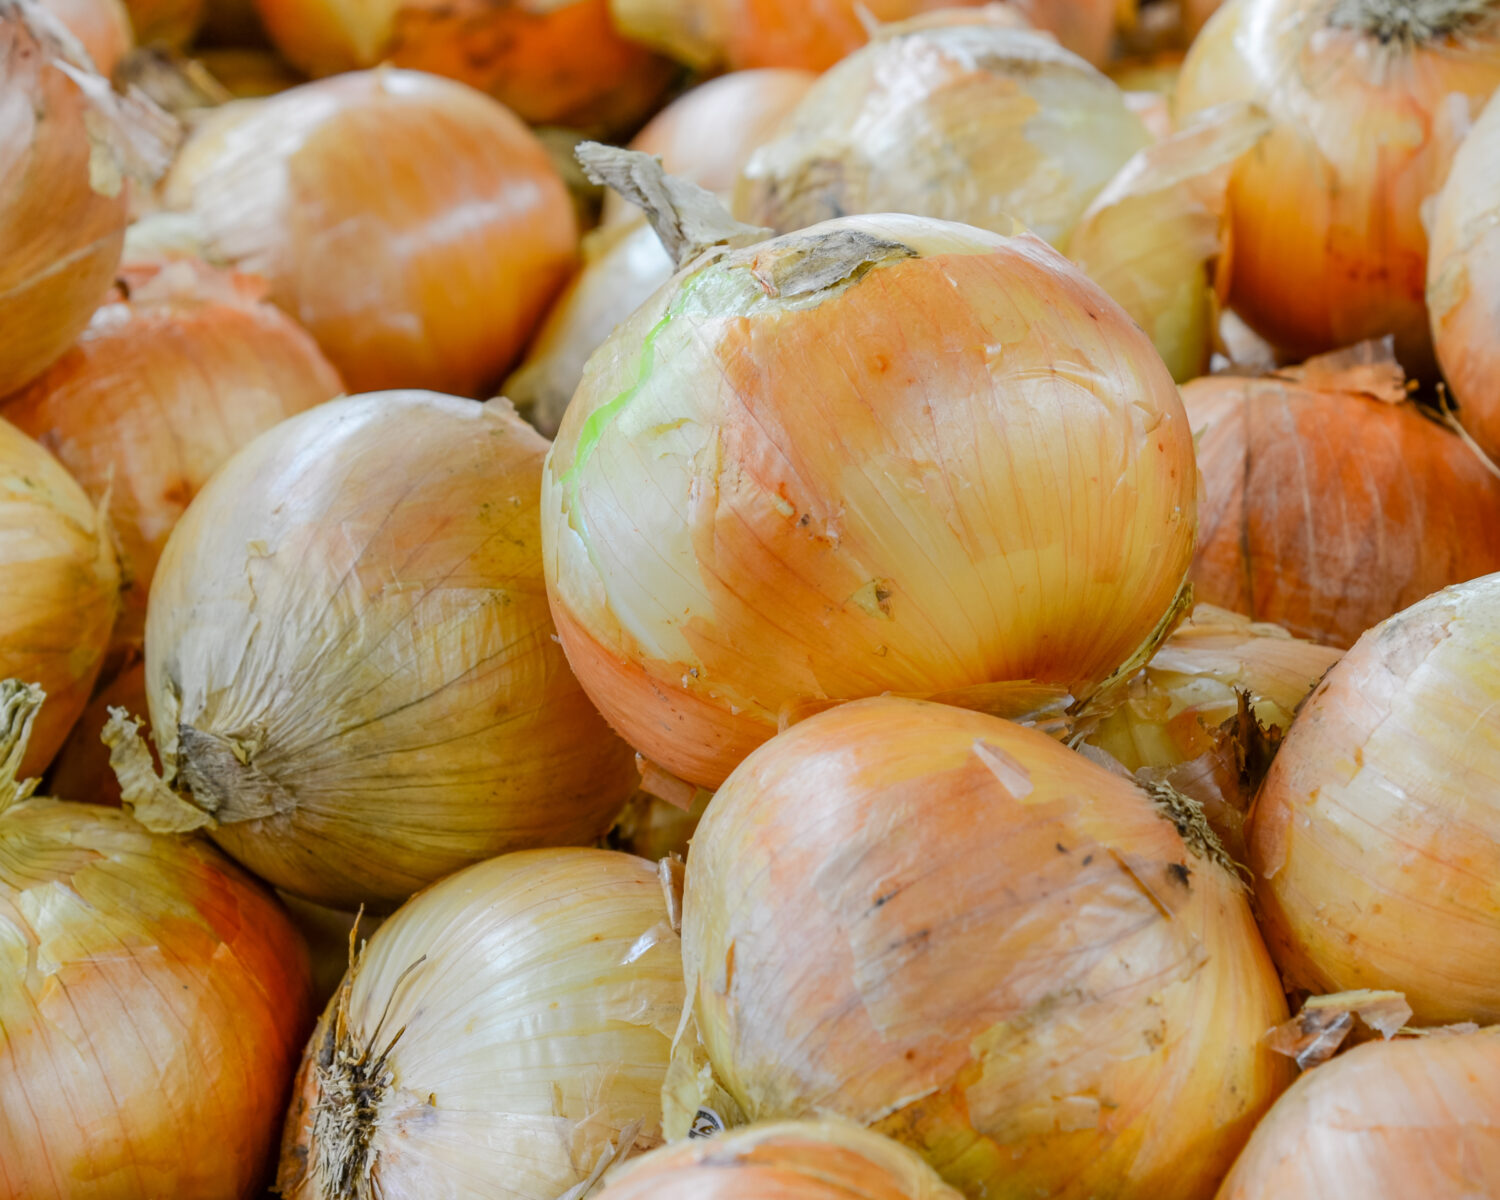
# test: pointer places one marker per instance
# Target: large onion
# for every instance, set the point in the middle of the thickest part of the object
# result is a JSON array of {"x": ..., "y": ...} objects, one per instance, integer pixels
[
  {"x": 352, "y": 674},
  {"x": 504, "y": 1034},
  {"x": 153, "y": 1000},
  {"x": 1330, "y": 501},
  {"x": 966, "y": 936},
  {"x": 1386, "y": 1121},
  {"x": 101, "y": 26},
  {"x": 1376, "y": 837},
  {"x": 1369, "y": 100},
  {"x": 412, "y": 225},
  {"x": 976, "y": 123},
  {"x": 1463, "y": 280}
]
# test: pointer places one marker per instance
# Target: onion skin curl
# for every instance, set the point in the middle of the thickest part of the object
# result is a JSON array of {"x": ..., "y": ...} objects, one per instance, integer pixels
[{"x": 1375, "y": 840}]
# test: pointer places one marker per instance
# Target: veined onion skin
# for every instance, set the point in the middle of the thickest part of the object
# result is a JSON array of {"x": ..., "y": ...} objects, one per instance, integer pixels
[
  {"x": 103, "y": 26},
  {"x": 535, "y": 995},
  {"x": 349, "y": 658},
  {"x": 962, "y": 934},
  {"x": 1369, "y": 100},
  {"x": 153, "y": 1001},
  {"x": 1383, "y": 1121},
  {"x": 1375, "y": 839},
  {"x": 834, "y": 464},
  {"x": 1463, "y": 280},
  {"x": 432, "y": 275}
]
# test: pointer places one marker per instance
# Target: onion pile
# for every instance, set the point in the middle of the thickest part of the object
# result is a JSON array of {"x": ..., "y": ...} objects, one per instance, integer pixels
[
  {"x": 351, "y": 670},
  {"x": 505, "y": 1033},
  {"x": 412, "y": 225},
  {"x": 153, "y": 1001},
  {"x": 962, "y": 934}
]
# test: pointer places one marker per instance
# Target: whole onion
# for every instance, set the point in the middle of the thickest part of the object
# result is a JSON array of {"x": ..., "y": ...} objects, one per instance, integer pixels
[
  {"x": 964, "y": 935},
  {"x": 1375, "y": 840},
  {"x": 102, "y": 26},
  {"x": 412, "y": 225},
  {"x": 504, "y": 1034},
  {"x": 153, "y": 1000},
  {"x": 352, "y": 675}
]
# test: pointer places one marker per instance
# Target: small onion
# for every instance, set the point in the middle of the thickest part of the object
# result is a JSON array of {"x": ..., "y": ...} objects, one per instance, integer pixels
[
  {"x": 412, "y": 225},
  {"x": 1369, "y": 100},
  {"x": 1463, "y": 280},
  {"x": 153, "y": 1001},
  {"x": 1376, "y": 837},
  {"x": 821, "y": 1159},
  {"x": 962, "y": 934},
  {"x": 102, "y": 26},
  {"x": 1330, "y": 502},
  {"x": 351, "y": 670},
  {"x": 504, "y": 1034},
  {"x": 976, "y": 123},
  {"x": 1413, "y": 1117}
]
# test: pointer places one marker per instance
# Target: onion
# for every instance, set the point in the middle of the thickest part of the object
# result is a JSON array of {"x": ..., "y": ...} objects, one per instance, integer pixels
[
  {"x": 81, "y": 770},
  {"x": 412, "y": 225},
  {"x": 153, "y": 999},
  {"x": 352, "y": 676},
  {"x": 1376, "y": 837},
  {"x": 1149, "y": 83},
  {"x": 249, "y": 74},
  {"x": 168, "y": 22},
  {"x": 184, "y": 367},
  {"x": 1369, "y": 100},
  {"x": 975, "y": 123},
  {"x": 328, "y": 933},
  {"x": 505, "y": 1033},
  {"x": 1330, "y": 502},
  {"x": 1386, "y": 1121},
  {"x": 101, "y": 26},
  {"x": 1463, "y": 280},
  {"x": 821, "y": 1159},
  {"x": 960, "y": 933}
]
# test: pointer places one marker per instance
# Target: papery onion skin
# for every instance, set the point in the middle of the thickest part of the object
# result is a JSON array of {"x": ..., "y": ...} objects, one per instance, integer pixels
[
  {"x": 821, "y": 1159},
  {"x": 412, "y": 225},
  {"x": 349, "y": 625},
  {"x": 103, "y": 26},
  {"x": 1375, "y": 839},
  {"x": 1384, "y": 1121},
  {"x": 976, "y": 123},
  {"x": 966, "y": 936},
  {"x": 1330, "y": 247},
  {"x": 1463, "y": 280},
  {"x": 758, "y": 501},
  {"x": 537, "y": 994}
]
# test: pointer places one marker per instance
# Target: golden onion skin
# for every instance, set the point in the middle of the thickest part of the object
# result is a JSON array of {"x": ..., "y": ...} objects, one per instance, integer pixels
[
  {"x": 1326, "y": 212},
  {"x": 349, "y": 657},
  {"x": 1375, "y": 840},
  {"x": 958, "y": 932},
  {"x": 1384, "y": 1121},
  {"x": 959, "y": 464}
]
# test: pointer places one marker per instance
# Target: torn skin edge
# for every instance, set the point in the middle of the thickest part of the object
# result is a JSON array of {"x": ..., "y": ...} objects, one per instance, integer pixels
[
  {"x": 151, "y": 800},
  {"x": 19, "y": 705}
]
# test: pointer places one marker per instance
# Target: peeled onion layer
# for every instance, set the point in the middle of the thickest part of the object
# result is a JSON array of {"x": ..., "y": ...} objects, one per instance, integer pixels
[{"x": 351, "y": 669}]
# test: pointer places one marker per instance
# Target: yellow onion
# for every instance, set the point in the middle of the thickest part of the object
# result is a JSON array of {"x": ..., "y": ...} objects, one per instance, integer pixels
[
  {"x": 183, "y": 367},
  {"x": 1375, "y": 840},
  {"x": 505, "y": 1033},
  {"x": 1149, "y": 83},
  {"x": 820, "y": 1159},
  {"x": 153, "y": 1001},
  {"x": 249, "y": 74},
  {"x": 167, "y": 22},
  {"x": 1330, "y": 501},
  {"x": 1386, "y": 1121},
  {"x": 974, "y": 123},
  {"x": 352, "y": 676},
  {"x": 1463, "y": 280},
  {"x": 101, "y": 26},
  {"x": 1368, "y": 99},
  {"x": 412, "y": 225},
  {"x": 964, "y": 935},
  {"x": 81, "y": 769}
]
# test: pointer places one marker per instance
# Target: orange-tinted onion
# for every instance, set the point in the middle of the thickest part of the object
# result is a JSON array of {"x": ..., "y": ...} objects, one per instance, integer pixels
[
  {"x": 966, "y": 936},
  {"x": 103, "y": 26},
  {"x": 1386, "y": 1121},
  {"x": 882, "y": 454},
  {"x": 153, "y": 1001},
  {"x": 1369, "y": 100},
  {"x": 411, "y": 224},
  {"x": 1330, "y": 502},
  {"x": 168, "y": 22}
]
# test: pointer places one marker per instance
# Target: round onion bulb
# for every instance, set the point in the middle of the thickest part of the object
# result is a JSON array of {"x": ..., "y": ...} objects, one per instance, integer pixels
[
  {"x": 504, "y": 1034},
  {"x": 1375, "y": 840},
  {"x": 352, "y": 676},
  {"x": 960, "y": 933}
]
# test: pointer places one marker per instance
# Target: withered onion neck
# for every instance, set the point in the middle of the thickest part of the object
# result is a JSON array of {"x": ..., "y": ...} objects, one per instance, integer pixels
[{"x": 1412, "y": 22}]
